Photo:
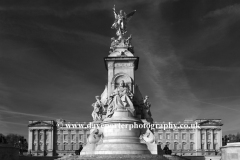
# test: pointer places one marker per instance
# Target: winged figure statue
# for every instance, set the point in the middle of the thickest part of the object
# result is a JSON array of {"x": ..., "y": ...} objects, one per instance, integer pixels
[{"x": 121, "y": 20}]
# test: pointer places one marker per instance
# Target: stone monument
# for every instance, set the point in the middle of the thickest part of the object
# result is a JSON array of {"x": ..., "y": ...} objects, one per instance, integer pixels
[
  {"x": 121, "y": 108},
  {"x": 231, "y": 151}
]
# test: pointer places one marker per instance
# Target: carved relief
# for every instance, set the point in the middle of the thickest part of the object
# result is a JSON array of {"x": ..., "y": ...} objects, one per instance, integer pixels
[{"x": 124, "y": 65}]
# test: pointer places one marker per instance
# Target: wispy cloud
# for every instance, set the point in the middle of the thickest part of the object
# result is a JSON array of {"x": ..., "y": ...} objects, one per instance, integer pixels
[{"x": 229, "y": 10}]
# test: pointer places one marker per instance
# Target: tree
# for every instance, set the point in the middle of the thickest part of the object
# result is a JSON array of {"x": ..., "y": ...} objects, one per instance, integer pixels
[
  {"x": 238, "y": 137},
  {"x": 17, "y": 141}
]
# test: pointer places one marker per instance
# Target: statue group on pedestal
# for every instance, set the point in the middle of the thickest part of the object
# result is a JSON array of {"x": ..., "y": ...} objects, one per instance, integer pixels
[{"x": 120, "y": 98}]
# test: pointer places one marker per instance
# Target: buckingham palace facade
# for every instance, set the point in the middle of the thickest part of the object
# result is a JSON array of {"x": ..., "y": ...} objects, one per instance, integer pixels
[{"x": 46, "y": 139}]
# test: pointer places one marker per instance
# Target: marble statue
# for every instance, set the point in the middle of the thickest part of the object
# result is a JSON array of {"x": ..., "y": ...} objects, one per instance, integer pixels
[
  {"x": 98, "y": 108},
  {"x": 95, "y": 136},
  {"x": 121, "y": 97},
  {"x": 148, "y": 136},
  {"x": 147, "y": 106},
  {"x": 121, "y": 20}
]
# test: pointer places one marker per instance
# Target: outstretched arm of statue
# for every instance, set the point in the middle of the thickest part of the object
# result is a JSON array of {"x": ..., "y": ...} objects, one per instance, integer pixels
[{"x": 114, "y": 12}]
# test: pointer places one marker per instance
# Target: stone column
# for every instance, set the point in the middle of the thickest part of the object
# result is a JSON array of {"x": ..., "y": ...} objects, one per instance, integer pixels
[
  {"x": 37, "y": 140},
  {"x": 69, "y": 139},
  {"x": 44, "y": 140},
  {"x": 212, "y": 139},
  {"x": 77, "y": 139},
  {"x": 30, "y": 139},
  {"x": 205, "y": 140},
  {"x": 198, "y": 139},
  {"x": 84, "y": 136},
  {"x": 220, "y": 138},
  {"x": 110, "y": 76},
  {"x": 180, "y": 139},
  {"x": 50, "y": 131},
  {"x": 61, "y": 139},
  {"x": 188, "y": 138},
  {"x": 171, "y": 139}
]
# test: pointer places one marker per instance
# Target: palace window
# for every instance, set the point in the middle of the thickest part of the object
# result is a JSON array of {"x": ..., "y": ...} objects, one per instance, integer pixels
[
  {"x": 203, "y": 136},
  {"x": 167, "y": 136},
  {"x": 184, "y": 136},
  {"x": 168, "y": 144},
  {"x": 160, "y": 136},
  {"x": 65, "y": 137},
  {"x": 215, "y": 146},
  {"x": 209, "y": 136},
  {"x": 47, "y": 146},
  {"x": 215, "y": 136},
  {"x": 191, "y": 136},
  {"x": 41, "y": 148},
  {"x": 183, "y": 146},
  {"x": 74, "y": 146},
  {"x": 202, "y": 146},
  {"x": 175, "y": 146},
  {"x": 34, "y": 147},
  {"x": 58, "y": 146},
  {"x": 159, "y": 143},
  {"x": 73, "y": 137},
  {"x": 175, "y": 136},
  {"x": 191, "y": 146},
  {"x": 208, "y": 146},
  {"x": 59, "y": 137},
  {"x": 40, "y": 136},
  {"x": 65, "y": 146},
  {"x": 81, "y": 137}
]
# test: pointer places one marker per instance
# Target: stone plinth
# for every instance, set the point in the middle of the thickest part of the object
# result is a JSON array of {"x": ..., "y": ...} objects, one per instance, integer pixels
[
  {"x": 118, "y": 137},
  {"x": 115, "y": 157},
  {"x": 231, "y": 151},
  {"x": 8, "y": 152}
]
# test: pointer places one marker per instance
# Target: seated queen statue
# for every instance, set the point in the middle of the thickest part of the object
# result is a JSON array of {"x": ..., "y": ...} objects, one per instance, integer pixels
[{"x": 120, "y": 98}]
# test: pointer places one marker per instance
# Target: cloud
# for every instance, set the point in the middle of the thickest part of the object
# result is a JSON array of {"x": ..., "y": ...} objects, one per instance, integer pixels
[
  {"x": 164, "y": 78},
  {"x": 226, "y": 11}
]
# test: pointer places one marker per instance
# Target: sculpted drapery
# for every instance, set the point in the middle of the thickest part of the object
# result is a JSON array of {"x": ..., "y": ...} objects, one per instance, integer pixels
[
  {"x": 97, "y": 109},
  {"x": 120, "y": 98}
]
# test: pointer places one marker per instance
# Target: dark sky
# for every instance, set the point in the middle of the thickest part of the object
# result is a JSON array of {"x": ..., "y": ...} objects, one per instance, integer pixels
[{"x": 51, "y": 59}]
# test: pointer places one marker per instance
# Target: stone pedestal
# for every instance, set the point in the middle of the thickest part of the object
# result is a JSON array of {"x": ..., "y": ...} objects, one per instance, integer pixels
[
  {"x": 118, "y": 138},
  {"x": 231, "y": 151}
]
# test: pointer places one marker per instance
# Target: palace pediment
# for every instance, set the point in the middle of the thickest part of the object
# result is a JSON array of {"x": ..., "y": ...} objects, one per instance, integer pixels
[
  {"x": 40, "y": 123},
  {"x": 210, "y": 123}
]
